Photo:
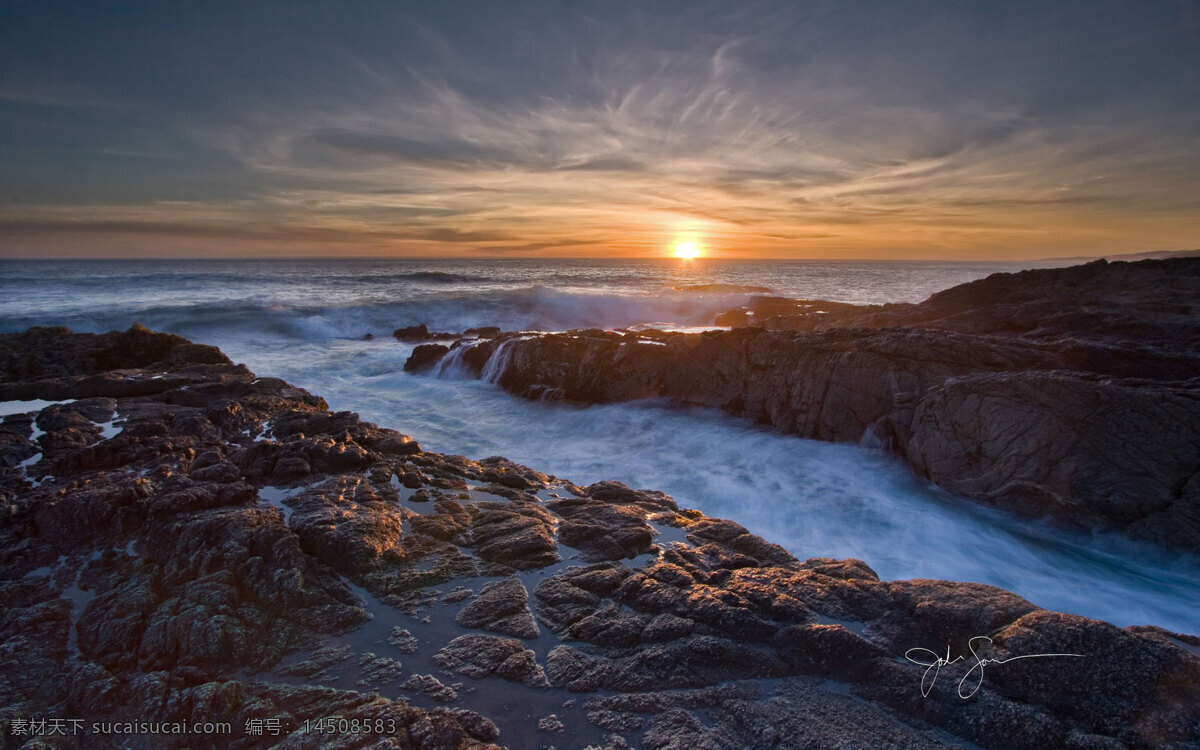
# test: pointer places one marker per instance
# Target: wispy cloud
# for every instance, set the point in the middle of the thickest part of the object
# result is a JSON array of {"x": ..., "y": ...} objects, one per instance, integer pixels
[{"x": 769, "y": 129}]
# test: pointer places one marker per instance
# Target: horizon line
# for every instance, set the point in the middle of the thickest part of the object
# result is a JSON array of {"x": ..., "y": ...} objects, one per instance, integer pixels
[{"x": 1142, "y": 254}]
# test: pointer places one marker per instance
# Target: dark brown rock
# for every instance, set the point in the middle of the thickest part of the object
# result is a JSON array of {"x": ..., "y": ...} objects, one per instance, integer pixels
[
  {"x": 501, "y": 607},
  {"x": 561, "y": 603},
  {"x": 481, "y": 656},
  {"x": 44, "y": 353},
  {"x": 519, "y": 534},
  {"x": 347, "y": 525},
  {"x": 1020, "y": 390},
  {"x": 425, "y": 357},
  {"x": 483, "y": 332},
  {"x": 151, "y": 579},
  {"x": 603, "y": 531},
  {"x": 418, "y": 332},
  {"x": 733, "y": 318}
]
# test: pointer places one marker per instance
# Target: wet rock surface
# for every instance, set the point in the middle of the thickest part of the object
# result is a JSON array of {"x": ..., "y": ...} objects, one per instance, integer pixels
[
  {"x": 502, "y": 607},
  {"x": 185, "y": 541},
  {"x": 1071, "y": 393}
]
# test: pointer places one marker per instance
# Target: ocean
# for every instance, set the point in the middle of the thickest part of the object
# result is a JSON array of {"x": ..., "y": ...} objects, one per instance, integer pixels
[{"x": 305, "y": 321}]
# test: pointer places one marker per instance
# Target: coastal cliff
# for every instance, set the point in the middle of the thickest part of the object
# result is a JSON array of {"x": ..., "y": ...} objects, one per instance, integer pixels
[
  {"x": 1068, "y": 393},
  {"x": 185, "y": 541}
]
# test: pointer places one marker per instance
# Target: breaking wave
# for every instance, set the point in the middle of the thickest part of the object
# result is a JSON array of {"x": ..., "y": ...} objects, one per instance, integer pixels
[
  {"x": 536, "y": 308},
  {"x": 304, "y": 321}
]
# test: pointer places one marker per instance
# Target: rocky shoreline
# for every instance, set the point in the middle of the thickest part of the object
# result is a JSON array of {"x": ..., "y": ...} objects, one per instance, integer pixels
[
  {"x": 185, "y": 541},
  {"x": 1071, "y": 394}
]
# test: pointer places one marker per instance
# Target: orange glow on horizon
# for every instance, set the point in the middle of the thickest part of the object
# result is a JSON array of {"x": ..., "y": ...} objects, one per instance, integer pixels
[{"x": 686, "y": 250}]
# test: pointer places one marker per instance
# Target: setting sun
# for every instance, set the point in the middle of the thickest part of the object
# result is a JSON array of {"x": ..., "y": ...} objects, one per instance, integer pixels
[{"x": 687, "y": 250}]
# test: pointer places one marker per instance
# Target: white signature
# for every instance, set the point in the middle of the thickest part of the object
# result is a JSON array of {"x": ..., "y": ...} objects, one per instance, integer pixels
[{"x": 935, "y": 666}]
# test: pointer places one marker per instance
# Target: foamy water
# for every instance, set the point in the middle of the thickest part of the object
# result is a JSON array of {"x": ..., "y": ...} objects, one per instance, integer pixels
[
  {"x": 302, "y": 321},
  {"x": 318, "y": 299}
]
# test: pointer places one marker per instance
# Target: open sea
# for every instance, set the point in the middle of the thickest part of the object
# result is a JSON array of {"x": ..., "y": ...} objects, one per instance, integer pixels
[{"x": 304, "y": 321}]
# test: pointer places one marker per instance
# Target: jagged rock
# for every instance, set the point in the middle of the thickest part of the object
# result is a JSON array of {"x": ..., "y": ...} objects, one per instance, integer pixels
[
  {"x": 481, "y": 656},
  {"x": 420, "y": 332},
  {"x": 319, "y": 663},
  {"x": 43, "y": 353},
  {"x": 615, "y": 721},
  {"x": 457, "y": 595},
  {"x": 376, "y": 670},
  {"x": 618, "y": 494},
  {"x": 424, "y": 357},
  {"x": 1063, "y": 445},
  {"x": 429, "y": 685},
  {"x": 403, "y": 640},
  {"x": 222, "y": 472},
  {"x": 500, "y": 470},
  {"x": 561, "y": 603},
  {"x": 412, "y": 333},
  {"x": 501, "y": 607},
  {"x": 802, "y": 714},
  {"x": 694, "y": 661},
  {"x": 147, "y": 575},
  {"x": 603, "y": 531},
  {"x": 347, "y": 525},
  {"x": 666, "y": 627},
  {"x": 733, "y": 318},
  {"x": 735, "y": 538},
  {"x": 657, "y": 702},
  {"x": 609, "y": 626},
  {"x": 1149, "y": 301},
  {"x": 1022, "y": 390},
  {"x": 1107, "y": 653},
  {"x": 519, "y": 534},
  {"x": 483, "y": 332}
]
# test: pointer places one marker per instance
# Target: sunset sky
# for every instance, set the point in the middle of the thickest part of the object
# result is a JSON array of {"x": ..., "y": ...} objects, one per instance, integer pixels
[{"x": 931, "y": 130}]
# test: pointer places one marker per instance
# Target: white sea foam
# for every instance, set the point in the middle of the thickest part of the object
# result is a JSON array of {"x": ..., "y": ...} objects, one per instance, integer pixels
[
  {"x": 302, "y": 321},
  {"x": 814, "y": 498},
  {"x": 451, "y": 365},
  {"x": 347, "y": 299},
  {"x": 498, "y": 362}
]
